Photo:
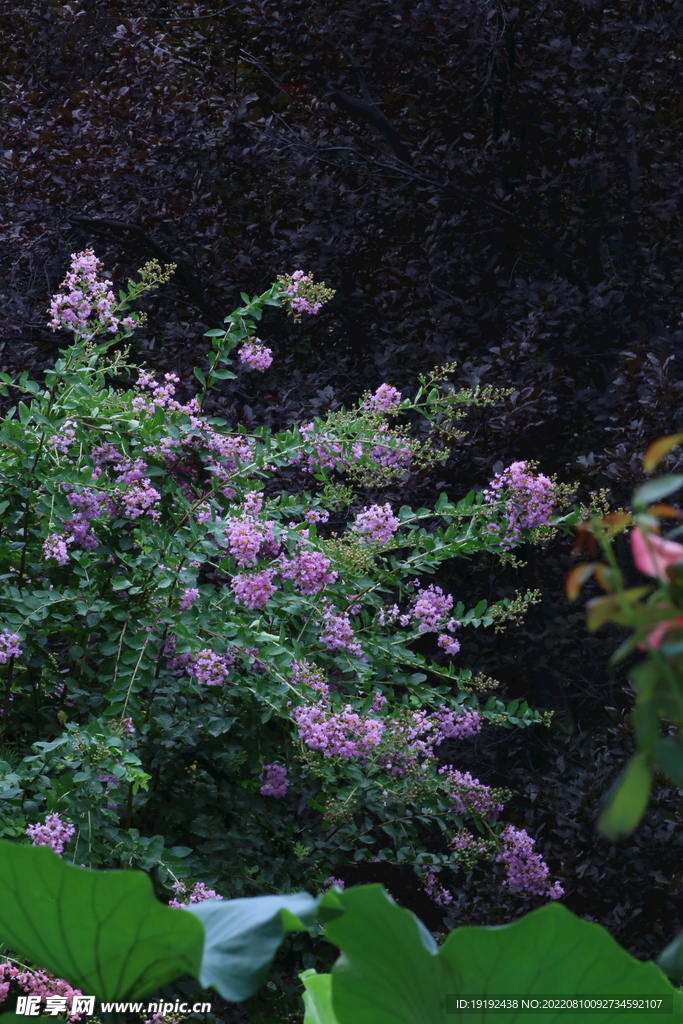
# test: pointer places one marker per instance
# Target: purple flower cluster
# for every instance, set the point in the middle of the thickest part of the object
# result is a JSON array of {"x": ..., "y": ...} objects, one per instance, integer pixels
[
  {"x": 188, "y": 598},
  {"x": 209, "y": 668},
  {"x": 197, "y": 894},
  {"x": 140, "y": 500},
  {"x": 301, "y": 294},
  {"x": 256, "y": 355},
  {"x": 303, "y": 673},
  {"x": 246, "y": 536},
  {"x": 162, "y": 396},
  {"x": 337, "y": 632},
  {"x": 448, "y": 643},
  {"x": 467, "y": 845},
  {"x": 431, "y": 608},
  {"x": 436, "y": 892},
  {"x": 55, "y": 833},
  {"x": 64, "y": 439},
  {"x": 274, "y": 780},
  {"x": 55, "y": 547},
  {"x": 255, "y": 589},
  {"x": 456, "y": 724},
  {"x": 385, "y": 399},
  {"x": 376, "y": 524},
  {"x": 316, "y": 515},
  {"x": 332, "y": 881},
  {"x": 394, "y": 454},
  {"x": 470, "y": 796},
  {"x": 53, "y": 992},
  {"x": 525, "y": 869},
  {"x": 340, "y": 734},
  {"x": 308, "y": 570},
  {"x": 326, "y": 454},
  {"x": 10, "y": 647},
  {"x": 528, "y": 498},
  {"x": 414, "y": 740},
  {"x": 88, "y": 305}
]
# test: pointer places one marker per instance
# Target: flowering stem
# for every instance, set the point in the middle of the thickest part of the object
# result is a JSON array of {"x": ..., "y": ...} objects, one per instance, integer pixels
[{"x": 8, "y": 692}]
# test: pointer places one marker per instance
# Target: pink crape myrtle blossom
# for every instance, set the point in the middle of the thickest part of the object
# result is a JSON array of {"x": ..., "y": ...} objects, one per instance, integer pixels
[
  {"x": 654, "y": 554},
  {"x": 197, "y": 894},
  {"x": 302, "y": 295},
  {"x": 385, "y": 399},
  {"x": 62, "y": 441},
  {"x": 302, "y": 673},
  {"x": 431, "y": 607},
  {"x": 10, "y": 647},
  {"x": 246, "y": 536},
  {"x": 87, "y": 305},
  {"x": 376, "y": 524},
  {"x": 274, "y": 780},
  {"x": 39, "y": 983},
  {"x": 471, "y": 796},
  {"x": 526, "y": 870},
  {"x": 209, "y": 668},
  {"x": 308, "y": 571},
  {"x": 528, "y": 498},
  {"x": 337, "y": 734},
  {"x": 55, "y": 547},
  {"x": 255, "y": 354},
  {"x": 330, "y": 882},
  {"x": 188, "y": 598},
  {"x": 254, "y": 590},
  {"x": 55, "y": 833},
  {"x": 338, "y": 633},
  {"x": 436, "y": 892}
]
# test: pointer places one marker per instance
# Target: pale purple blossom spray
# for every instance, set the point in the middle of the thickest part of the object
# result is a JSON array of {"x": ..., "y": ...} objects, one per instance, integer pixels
[
  {"x": 274, "y": 781},
  {"x": 87, "y": 305},
  {"x": 528, "y": 496},
  {"x": 54, "y": 833},
  {"x": 526, "y": 870}
]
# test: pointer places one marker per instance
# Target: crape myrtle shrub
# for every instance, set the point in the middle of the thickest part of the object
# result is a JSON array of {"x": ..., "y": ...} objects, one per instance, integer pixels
[
  {"x": 228, "y": 672},
  {"x": 219, "y": 141}
]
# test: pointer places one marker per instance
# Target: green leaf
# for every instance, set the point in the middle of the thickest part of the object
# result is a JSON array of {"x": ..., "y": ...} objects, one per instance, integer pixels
[
  {"x": 199, "y": 374},
  {"x": 391, "y": 971},
  {"x": 318, "y": 998},
  {"x": 628, "y": 799},
  {"x": 670, "y": 960},
  {"x": 669, "y": 757},
  {"x": 242, "y": 937},
  {"x": 105, "y": 932},
  {"x": 653, "y": 490}
]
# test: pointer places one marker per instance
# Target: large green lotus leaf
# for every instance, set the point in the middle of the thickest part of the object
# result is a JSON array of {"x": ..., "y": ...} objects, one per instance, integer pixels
[
  {"x": 317, "y": 998},
  {"x": 105, "y": 932},
  {"x": 242, "y": 937},
  {"x": 391, "y": 972}
]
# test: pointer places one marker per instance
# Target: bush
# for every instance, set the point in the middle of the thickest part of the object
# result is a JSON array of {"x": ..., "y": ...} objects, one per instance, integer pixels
[{"x": 229, "y": 672}]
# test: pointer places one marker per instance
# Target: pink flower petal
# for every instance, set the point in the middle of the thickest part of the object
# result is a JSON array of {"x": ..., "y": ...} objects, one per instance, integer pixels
[{"x": 652, "y": 554}]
